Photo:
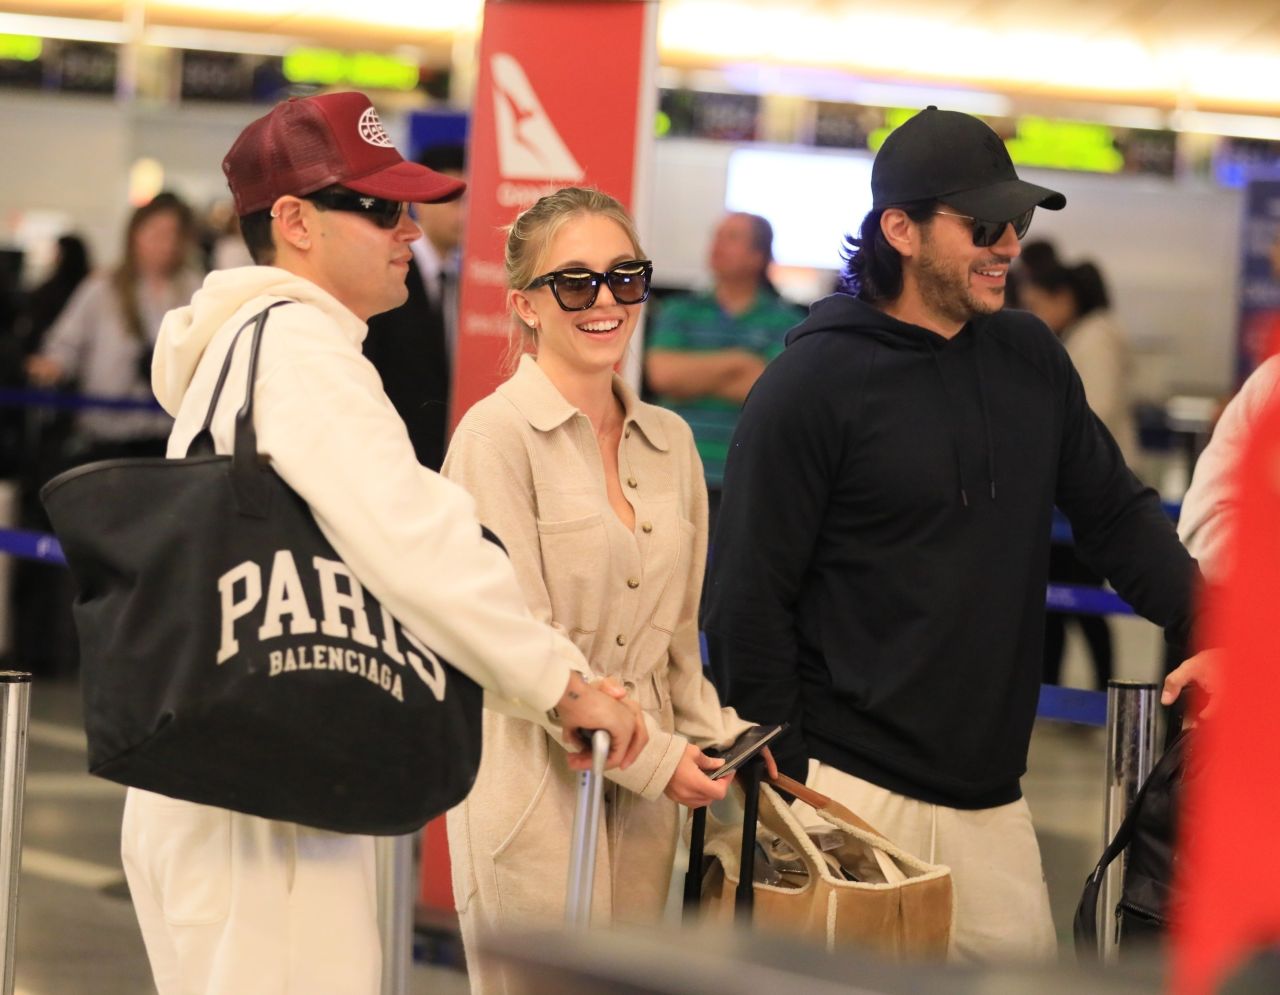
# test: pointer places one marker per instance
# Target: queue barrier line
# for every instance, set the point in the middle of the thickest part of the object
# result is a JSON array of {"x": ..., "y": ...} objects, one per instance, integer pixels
[
  {"x": 1075, "y": 705},
  {"x": 1078, "y": 599},
  {"x": 20, "y": 397},
  {"x": 28, "y": 545},
  {"x": 1061, "y": 704}
]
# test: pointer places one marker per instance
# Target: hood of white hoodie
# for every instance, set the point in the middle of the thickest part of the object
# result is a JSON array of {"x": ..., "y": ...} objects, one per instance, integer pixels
[{"x": 187, "y": 331}]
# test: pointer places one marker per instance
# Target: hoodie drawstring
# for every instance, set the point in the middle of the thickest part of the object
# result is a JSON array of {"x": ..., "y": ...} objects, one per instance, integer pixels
[
  {"x": 986, "y": 422},
  {"x": 955, "y": 440},
  {"x": 986, "y": 417}
]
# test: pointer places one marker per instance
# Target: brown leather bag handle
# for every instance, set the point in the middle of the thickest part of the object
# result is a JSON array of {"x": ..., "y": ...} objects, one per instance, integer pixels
[{"x": 820, "y": 802}]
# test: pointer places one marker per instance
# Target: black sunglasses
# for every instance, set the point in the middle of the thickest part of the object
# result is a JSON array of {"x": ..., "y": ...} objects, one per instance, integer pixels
[
  {"x": 383, "y": 213},
  {"x": 988, "y": 233},
  {"x": 576, "y": 288}
]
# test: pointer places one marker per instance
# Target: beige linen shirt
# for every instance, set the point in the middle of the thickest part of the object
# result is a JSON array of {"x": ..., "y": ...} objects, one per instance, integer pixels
[{"x": 627, "y": 598}]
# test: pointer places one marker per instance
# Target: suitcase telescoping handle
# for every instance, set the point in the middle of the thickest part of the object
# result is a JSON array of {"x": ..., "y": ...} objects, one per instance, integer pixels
[
  {"x": 748, "y": 777},
  {"x": 586, "y": 831}
]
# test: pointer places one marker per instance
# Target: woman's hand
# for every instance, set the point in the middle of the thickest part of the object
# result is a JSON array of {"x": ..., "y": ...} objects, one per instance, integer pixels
[
  {"x": 616, "y": 691},
  {"x": 690, "y": 786}
]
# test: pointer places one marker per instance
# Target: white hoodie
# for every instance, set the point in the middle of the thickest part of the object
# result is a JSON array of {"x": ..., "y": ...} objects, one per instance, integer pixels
[{"x": 322, "y": 418}]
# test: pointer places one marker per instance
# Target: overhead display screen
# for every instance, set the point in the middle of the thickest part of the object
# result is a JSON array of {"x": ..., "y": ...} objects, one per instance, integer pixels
[{"x": 812, "y": 199}]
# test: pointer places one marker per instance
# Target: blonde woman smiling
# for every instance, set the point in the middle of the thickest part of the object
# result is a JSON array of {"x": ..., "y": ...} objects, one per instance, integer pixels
[{"x": 600, "y": 500}]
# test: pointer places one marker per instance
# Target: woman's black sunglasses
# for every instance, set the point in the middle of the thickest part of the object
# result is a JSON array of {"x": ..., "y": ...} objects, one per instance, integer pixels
[
  {"x": 576, "y": 288},
  {"x": 383, "y": 213},
  {"x": 988, "y": 233}
]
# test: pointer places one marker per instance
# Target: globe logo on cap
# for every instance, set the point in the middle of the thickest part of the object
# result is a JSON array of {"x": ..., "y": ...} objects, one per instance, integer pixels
[{"x": 371, "y": 129}]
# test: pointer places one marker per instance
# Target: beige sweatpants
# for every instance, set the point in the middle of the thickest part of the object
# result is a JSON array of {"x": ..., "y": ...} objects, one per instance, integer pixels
[
  {"x": 1002, "y": 904},
  {"x": 231, "y": 904}
]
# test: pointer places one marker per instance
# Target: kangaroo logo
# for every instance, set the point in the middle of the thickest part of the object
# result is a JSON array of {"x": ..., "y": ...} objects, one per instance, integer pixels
[{"x": 529, "y": 147}]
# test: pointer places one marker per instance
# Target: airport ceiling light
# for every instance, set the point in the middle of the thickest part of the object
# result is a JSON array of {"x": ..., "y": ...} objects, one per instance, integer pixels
[
  {"x": 439, "y": 17},
  {"x": 364, "y": 22},
  {"x": 20, "y": 48},
  {"x": 68, "y": 28},
  {"x": 936, "y": 46}
]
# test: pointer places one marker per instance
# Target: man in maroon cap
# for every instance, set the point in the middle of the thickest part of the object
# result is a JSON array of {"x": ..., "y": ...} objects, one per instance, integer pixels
[{"x": 231, "y": 903}]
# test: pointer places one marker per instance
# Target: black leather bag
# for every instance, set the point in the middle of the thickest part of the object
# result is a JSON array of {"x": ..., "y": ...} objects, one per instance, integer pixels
[
  {"x": 230, "y": 658},
  {"x": 1150, "y": 833}
]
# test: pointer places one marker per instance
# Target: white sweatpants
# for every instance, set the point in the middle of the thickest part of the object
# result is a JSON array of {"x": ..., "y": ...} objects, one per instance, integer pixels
[
  {"x": 231, "y": 904},
  {"x": 1002, "y": 903}
]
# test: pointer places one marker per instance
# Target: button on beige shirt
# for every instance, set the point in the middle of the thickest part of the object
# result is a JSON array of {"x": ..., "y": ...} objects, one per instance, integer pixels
[{"x": 628, "y": 598}]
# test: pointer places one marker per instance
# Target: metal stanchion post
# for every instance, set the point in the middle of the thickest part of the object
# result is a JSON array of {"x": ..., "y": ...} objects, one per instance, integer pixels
[
  {"x": 1131, "y": 747},
  {"x": 395, "y": 911},
  {"x": 15, "y": 709}
]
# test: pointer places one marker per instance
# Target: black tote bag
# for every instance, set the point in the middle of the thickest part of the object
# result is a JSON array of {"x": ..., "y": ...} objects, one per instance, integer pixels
[{"x": 230, "y": 658}]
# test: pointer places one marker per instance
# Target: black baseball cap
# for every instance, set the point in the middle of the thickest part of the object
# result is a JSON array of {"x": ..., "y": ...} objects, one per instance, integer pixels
[{"x": 954, "y": 157}]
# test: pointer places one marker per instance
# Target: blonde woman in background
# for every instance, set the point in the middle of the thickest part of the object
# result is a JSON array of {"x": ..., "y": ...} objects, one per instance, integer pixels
[{"x": 601, "y": 502}]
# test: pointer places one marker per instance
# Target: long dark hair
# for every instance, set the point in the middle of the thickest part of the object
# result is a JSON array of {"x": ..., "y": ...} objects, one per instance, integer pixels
[
  {"x": 1039, "y": 266},
  {"x": 47, "y": 300},
  {"x": 124, "y": 278},
  {"x": 873, "y": 269}
]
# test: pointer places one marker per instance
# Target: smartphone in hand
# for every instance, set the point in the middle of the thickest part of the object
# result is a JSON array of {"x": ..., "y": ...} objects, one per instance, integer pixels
[{"x": 748, "y": 745}]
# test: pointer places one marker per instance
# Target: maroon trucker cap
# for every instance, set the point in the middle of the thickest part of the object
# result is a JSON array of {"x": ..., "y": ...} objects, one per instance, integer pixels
[{"x": 305, "y": 144}]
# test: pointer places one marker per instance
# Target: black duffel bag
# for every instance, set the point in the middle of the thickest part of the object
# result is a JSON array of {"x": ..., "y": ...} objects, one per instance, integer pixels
[
  {"x": 229, "y": 656},
  {"x": 1149, "y": 832}
]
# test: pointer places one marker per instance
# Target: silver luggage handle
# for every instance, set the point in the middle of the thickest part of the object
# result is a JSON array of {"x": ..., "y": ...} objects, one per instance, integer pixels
[{"x": 586, "y": 831}]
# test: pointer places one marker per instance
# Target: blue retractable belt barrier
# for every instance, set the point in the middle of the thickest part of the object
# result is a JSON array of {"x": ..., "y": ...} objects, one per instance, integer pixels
[
  {"x": 21, "y": 398},
  {"x": 1077, "y": 599},
  {"x": 1061, "y": 704},
  {"x": 1087, "y": 708},
  {"x": 31, "y": 546}
]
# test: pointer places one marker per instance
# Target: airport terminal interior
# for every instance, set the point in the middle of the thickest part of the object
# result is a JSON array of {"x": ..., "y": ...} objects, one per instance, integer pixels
[{"x": 1159, "y": 122}]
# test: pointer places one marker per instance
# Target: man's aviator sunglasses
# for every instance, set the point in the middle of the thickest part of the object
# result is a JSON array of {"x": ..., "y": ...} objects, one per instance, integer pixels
[
  {"x": 576, "y": 288},
  {"x": 383, "y": 213},
  {"x": 988, "y": 233}
]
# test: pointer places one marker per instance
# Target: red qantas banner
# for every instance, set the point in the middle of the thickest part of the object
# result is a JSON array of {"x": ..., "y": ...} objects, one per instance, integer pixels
[
  {"x": 564, "y": 97},
  {"x": 1228, "y": 877}
]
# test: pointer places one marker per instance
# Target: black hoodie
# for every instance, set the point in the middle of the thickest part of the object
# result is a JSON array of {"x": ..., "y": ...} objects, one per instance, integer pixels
[{"x": 879, "y": 568}]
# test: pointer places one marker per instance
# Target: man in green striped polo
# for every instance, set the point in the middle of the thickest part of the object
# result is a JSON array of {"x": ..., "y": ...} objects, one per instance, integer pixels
[{"x": 705, "y": 350}]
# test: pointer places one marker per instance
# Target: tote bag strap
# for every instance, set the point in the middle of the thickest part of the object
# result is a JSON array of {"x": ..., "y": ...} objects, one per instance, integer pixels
[
  {"x": 251, "y": 485},
  {"x": 822, "y": 803},
  {"x": 202, "y": 442},
  {"x": 1085, "y": 927}
]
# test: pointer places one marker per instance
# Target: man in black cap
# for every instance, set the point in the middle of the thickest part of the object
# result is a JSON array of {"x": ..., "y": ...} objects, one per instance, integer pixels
[{"x": 883, "y": 544}]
